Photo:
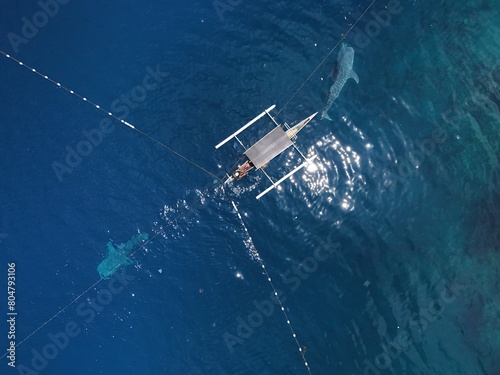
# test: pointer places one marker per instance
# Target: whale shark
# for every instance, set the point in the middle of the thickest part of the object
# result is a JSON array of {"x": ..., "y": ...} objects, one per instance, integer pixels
[
  {"x": 119, "y": 255},
  {"x": 341, "y": 73}
]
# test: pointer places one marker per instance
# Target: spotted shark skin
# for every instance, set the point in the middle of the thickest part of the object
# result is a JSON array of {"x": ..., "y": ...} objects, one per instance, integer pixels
[{"x": 341, "y": 73}]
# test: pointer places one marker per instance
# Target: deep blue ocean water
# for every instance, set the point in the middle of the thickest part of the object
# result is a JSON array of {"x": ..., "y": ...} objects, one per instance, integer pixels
[{"x": 403, "y": 198}]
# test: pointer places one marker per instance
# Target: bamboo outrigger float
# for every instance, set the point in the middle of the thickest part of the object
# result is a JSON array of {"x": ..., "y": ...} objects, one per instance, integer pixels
[{"x": 267, "y": 148}]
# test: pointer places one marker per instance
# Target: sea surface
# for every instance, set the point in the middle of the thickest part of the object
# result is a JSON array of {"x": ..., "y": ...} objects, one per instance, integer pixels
[{"x": 385, "y": 252}]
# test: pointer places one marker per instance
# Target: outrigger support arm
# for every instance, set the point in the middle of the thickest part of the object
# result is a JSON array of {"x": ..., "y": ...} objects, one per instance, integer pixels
[
  {"x": 275, "y": 184},
  {"x": 272, "y": 118},
  {"x": 246, "y": 126}
]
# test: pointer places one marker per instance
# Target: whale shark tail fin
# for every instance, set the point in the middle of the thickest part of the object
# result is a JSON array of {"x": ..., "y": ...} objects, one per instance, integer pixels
[
  {"x": 354, "y": 76},
  {"x": 324, "y": 114}
]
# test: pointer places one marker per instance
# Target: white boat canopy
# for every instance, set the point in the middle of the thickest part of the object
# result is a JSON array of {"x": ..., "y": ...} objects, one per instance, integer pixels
[
  {"x": 266, "y": 149},
  {"x": 270, "y": 146}
]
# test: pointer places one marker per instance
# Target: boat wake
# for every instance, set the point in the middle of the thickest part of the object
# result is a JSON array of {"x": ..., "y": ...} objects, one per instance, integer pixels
[
  {"x": 240, "y": 188},
  {"x": 176, "y": 220}
]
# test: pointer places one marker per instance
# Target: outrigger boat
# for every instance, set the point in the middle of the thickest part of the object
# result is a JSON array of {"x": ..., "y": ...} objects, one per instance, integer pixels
[{"x": 267, "y": 148}]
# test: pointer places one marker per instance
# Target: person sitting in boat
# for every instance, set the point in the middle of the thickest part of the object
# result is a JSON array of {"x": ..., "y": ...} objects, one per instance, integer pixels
[{"x": 242, "y": 170}]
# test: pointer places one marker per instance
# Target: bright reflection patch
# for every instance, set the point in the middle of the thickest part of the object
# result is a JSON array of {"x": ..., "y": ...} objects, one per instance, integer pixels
[{"x": 312, "y": 167}]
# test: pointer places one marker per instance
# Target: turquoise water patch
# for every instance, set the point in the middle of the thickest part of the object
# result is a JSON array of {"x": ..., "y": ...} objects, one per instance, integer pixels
[{"x": 406, "y": 185}]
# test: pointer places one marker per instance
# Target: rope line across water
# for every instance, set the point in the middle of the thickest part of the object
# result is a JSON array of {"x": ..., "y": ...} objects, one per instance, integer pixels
[
  {"x": 101, "y": 279},
  {"x": 275, "y": 292},
  {"x": 110, "y": 114}
]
